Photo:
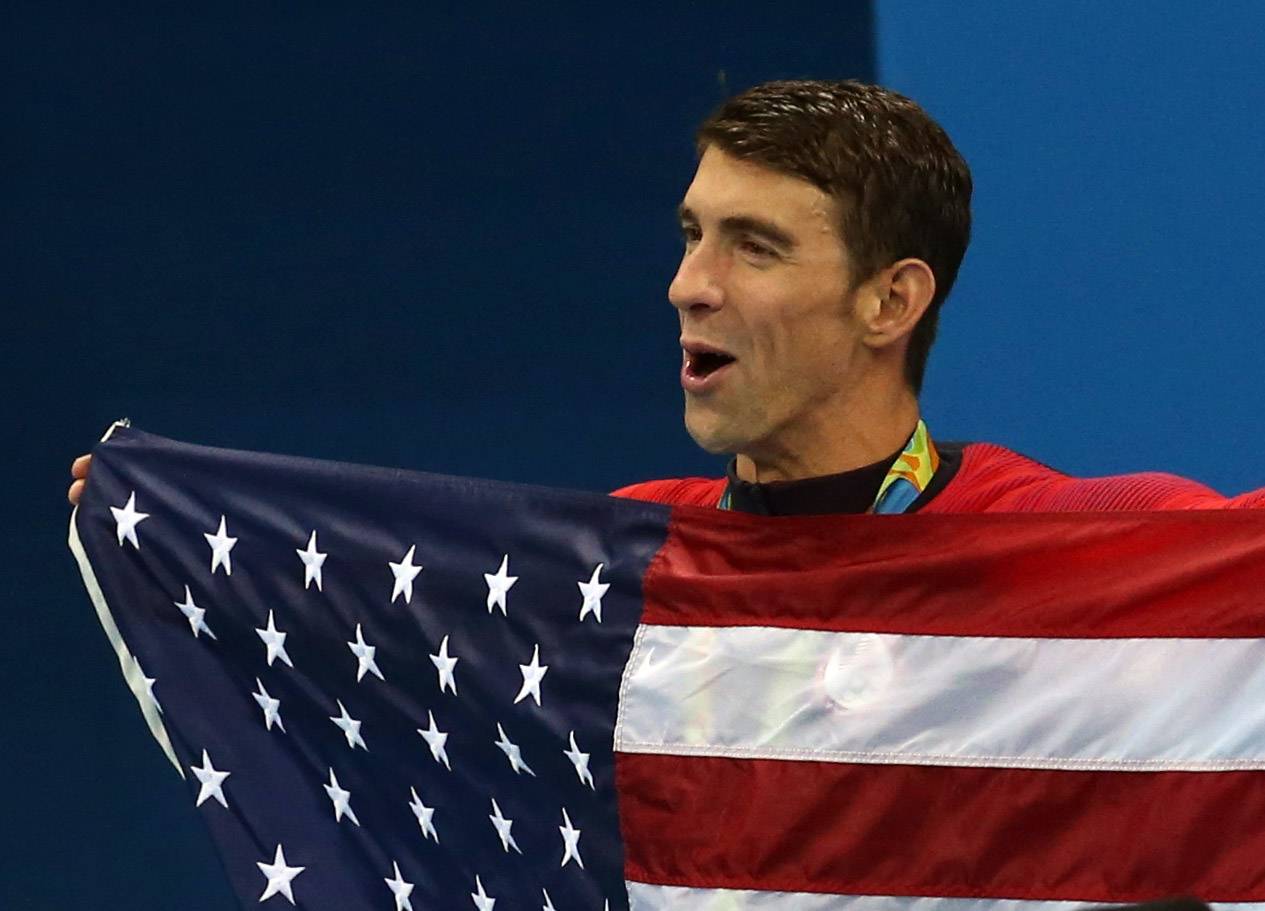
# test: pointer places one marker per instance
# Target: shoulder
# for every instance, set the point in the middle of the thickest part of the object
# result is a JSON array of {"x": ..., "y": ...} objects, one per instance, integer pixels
[
  {"x": 993, "y": 478},
  {"x": 676, "y": 491}
]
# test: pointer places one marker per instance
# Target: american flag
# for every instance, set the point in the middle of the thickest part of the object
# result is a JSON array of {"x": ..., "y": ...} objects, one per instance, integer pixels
[
  {"x": 384, "y": 689},
  {"x": 390, "y": 690}
]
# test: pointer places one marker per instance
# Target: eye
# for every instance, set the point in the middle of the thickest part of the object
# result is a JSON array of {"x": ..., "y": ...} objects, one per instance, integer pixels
[
  {"x": 756, "y": 249},
  {"x": 691, "y": 234}
]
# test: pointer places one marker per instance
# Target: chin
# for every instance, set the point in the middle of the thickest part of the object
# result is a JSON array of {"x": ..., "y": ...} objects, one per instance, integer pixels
[{"x": 711, "y": 436}]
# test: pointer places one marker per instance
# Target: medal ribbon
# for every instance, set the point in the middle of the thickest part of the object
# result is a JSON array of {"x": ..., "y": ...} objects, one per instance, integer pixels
[{"x": 908, "y": 477}]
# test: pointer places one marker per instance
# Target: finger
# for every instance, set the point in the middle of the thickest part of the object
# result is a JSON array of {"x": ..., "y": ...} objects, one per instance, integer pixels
[
  {"x": 79, "y": 467},
  {"x": 75, "y": 492}
]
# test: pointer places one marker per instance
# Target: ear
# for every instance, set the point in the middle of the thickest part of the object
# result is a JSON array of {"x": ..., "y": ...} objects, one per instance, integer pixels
[{"x": 894, "y": 300}]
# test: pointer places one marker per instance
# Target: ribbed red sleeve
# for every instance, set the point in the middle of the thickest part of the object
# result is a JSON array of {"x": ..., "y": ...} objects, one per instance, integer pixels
[
  {"x": 995, "y": 479},
  {"x": 676, "y": 491}
]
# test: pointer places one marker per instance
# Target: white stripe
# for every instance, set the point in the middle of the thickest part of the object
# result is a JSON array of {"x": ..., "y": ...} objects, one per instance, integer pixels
[
  {"x": 1096, "y": 704},
  {"x": 646, "y": 897}
]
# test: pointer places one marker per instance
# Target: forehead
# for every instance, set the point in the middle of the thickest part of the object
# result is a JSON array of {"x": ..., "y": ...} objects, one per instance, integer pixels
[{"x": 725, "y": 186}]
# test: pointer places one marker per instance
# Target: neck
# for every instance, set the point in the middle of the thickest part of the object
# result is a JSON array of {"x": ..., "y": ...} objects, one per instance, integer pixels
[{"x": 873, "y": 429}]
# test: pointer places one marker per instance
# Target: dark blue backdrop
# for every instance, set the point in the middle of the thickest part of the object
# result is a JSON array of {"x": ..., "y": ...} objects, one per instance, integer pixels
[{"x": 430, "y": 238}]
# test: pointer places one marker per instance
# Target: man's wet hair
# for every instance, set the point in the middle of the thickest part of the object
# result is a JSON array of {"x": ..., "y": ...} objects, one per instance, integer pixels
[{"x": 903, "y": 189}]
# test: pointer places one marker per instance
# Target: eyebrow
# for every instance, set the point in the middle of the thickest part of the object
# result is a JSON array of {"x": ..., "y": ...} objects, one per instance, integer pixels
[{"x": 744, "y": 224}]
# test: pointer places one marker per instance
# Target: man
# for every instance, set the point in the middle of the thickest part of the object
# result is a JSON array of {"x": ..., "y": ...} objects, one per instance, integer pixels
[{"x": 823, "y": 231}]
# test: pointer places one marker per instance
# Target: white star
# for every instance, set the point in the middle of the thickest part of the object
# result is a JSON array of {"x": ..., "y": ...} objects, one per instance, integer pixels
[
  {"x": 212, "y": 781},
  {"x": 499, "y": 584},
  {"x": 481, "y": 900},
  {"x": 149, "y": 691},
  {"x": 436, "y": 739},
  {"x": 148, "y": 681},
  {"x": 271, "y": 707},
  {"x": 425, "y": 816},
  {"x": 503, "y": 826},
  {"x": 405, "y": 572},
  {"x": 350, "y": 727},
  {"x": 548, "y": 905},
  {"x": 279, "y": 876},
  {"x": 128, "y": 518},
  {"x": 312, "y": 561},
  {"x": 445, "y": 664},
  {"x": 581, "y": 762},
  {"x": 400, "y": 889},
  {"x": 275, "y": 640},
  {"x": 221, "y": 544},
  {"x": 593, "y": 591},
  {"x": 341, "y": 799},
  {"x": 364, "y": 654},
  {"x": 149, "y": 685},
  {"x": 512, "y": 753},
  {"x": 570, "y": 841},
  {"x": 532, "y": 675},
  {"x": 196, "y": 615}
]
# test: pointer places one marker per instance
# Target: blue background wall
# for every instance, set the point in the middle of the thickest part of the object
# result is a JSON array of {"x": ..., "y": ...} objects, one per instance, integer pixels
[
  {"x": 442, "y": 240},
  {"x": 432, "y": 238},
  {"x": 1108, "y": 317}
]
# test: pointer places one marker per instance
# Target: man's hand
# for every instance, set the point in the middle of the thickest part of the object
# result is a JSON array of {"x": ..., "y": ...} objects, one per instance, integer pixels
[{"x": 78, "y": 471}]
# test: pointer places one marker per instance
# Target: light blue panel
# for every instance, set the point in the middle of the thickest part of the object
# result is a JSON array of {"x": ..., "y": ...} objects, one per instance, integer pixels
[{"x": 1109, "y": 316}]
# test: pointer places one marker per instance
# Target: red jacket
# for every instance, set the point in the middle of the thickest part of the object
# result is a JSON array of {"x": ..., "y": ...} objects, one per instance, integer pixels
[{"x": 992, "y": 478}]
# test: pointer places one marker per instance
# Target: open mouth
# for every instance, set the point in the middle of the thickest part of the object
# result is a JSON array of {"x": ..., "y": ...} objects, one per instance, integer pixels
[
  {"x": 701, "y": 361},
  {"x": 707, "y": 363}
]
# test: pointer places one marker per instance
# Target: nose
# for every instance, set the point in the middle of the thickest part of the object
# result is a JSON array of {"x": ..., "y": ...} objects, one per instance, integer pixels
[{"x": 697, "y": 284}]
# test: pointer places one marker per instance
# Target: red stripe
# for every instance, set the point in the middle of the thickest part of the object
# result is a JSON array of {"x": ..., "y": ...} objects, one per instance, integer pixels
[
  {"x": 958, "y": 832},
  {"x": 1186, "y": 574}
]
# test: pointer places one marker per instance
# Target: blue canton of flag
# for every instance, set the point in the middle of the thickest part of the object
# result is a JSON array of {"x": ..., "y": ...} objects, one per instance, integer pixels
[{"x": 384, "y": 689}]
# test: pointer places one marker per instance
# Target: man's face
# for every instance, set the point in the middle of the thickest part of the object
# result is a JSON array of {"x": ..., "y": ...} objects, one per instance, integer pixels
[{"x": 767, "y": 326}]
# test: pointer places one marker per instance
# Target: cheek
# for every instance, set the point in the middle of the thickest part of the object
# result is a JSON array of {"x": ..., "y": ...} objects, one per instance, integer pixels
[
  {"x": 797, "y": 332},
  {"x": 813, "y": 368},
  {"x": 792, "y": 350}
]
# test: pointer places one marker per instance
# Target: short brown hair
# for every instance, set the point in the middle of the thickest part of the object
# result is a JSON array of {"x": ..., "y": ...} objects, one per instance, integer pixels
[{"x": 903, "y": 189}]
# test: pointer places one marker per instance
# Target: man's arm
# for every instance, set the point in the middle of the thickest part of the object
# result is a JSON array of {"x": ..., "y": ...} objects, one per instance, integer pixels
[{"x": 676, "y": 491}]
